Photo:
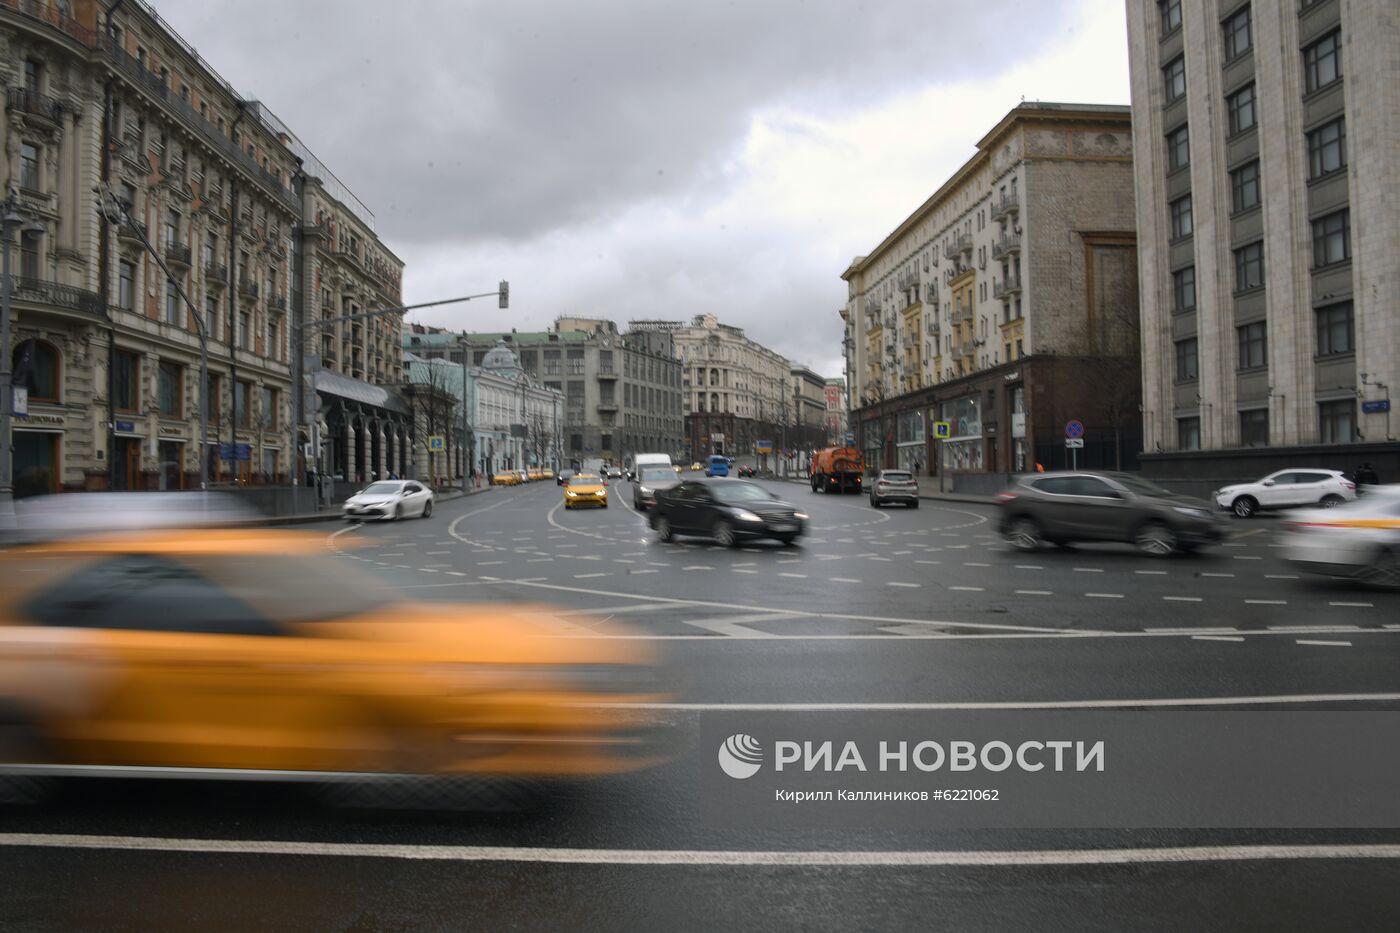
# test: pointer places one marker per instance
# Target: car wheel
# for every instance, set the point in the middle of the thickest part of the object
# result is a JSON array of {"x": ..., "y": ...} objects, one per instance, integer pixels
[
  {"x": 398, "y": 511},
  {"x": 1244, "y": 506},
  {"x": 723, "y": 533},
  {"x": 663, "y": 528},
  {"x": 605, "y": 505},
  {"x": 1155, "y": 539},
  {"x": 788, "y": 540},
  {"x": 1383, "y": 571},
  {"x": 914, "y": 504},
  {"x": 1024, "y": 533},
  {"x": 428, "y": 509},
  {"x": 1331, "y": 502},
  {"x": 874, "y": 503}
]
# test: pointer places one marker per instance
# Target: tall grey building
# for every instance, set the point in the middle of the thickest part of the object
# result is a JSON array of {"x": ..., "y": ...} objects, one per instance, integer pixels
[{"x": 1266, "y": 136}]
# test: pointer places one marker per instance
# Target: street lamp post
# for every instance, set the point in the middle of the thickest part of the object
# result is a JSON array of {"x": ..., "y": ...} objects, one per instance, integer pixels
[{"x": 11, "y": 219}]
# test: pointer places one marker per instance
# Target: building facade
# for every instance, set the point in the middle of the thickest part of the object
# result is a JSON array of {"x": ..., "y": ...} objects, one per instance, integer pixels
[
  {"x": 808, "y": 392},
  {"x": 835, "y": 419},
  {"x": 1022, "y": 260},
  {"x": 1266, "y": 138},
  {"x": 159, "y": 205}
]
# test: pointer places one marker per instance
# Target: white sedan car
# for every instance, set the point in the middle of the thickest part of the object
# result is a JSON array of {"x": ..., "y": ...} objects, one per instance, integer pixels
[
  {"x": 389, "y": 499},
  {"x": 1286, "y": 489},
  {"x": 1360, "y": 540}
]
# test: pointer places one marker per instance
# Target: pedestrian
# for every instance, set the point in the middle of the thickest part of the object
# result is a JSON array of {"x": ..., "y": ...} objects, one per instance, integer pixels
[
  {"x": 1367, "y": 476},
  {"x": 1039, "y": 467}
]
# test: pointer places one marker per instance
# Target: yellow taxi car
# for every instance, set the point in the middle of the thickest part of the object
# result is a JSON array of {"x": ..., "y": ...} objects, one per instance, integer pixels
[
  {"x": 696, "y": 467},
  {"x": 249, "y": 653},
  {"x": 546, "y": 474},
  {"x": 506, "y": 478},
  {"x": 536, "y": 475},
  {"x": 585, "y": 489}
]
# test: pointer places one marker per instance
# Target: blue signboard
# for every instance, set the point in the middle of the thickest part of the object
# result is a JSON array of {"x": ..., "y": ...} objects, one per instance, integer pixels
[
  {"x": 229, "y": 451},
  {"x": 1375, "y": 406},
  {"x": 126, "y": 426}
]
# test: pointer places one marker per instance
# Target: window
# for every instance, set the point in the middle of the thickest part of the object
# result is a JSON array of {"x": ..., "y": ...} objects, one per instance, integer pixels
[
  {"x": 1253, "y": 341},
  {"x": 32, "y": 72},
  {"x": 1187, "y": 367},
  {"x": 126, "y": 381},
  {"x": 1188, "y": 433},
  {"x": 1244, "y": 187},
  {"x": 29, "y": 253},
  {"x": 1249, "y": 267},
  {"x": 1174, "y": 79},
  {"x": 170, "y": 396},
  {"x": 242, "y": 400},
  {"x": 1184, "y": 290},
  {"x": 575, "y": 442},
  {"x": 1327, "y": 149},
  {"x": 1336, "y": 421},
  {"x": 1322, "y": 62},
  {"x": 1237, "y": 38},
  {"x": 605, "y": 442},
  {"x": 29, "y": 166},
  {"x": 1254, "y": 428},
  {"x": 172, "y": 303},
  {"x": 1178, "y": 148},
  {"x": 34, "y": 365},
  {"x": 211, "y": 317},
  {"x": 125, "y": 285},
  {"x": 244, "y": 329},
  {"x": 1335, "y": 329},
  {"x": 1241, "y": 109},
  {"x": 1181, "y": 217},
  {"x": 1171, "y": 15},
  {"x": 269, "y": 407},
  {"x": 274, "y": 337},
  {"x": 1331, "y": 239}
]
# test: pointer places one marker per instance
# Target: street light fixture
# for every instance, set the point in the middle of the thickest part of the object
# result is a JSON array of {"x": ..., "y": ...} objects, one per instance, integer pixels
[{"x": 9, "y": 220}]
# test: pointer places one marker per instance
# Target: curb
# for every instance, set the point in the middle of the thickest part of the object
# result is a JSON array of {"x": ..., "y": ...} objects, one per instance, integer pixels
[{"x": 931, "y": 497}]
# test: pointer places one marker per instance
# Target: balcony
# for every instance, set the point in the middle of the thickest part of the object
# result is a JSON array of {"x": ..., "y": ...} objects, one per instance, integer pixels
[
  {"x": 126, "y": 234},
  {"x": 247, "y": 287},
  {"x": 1009, "y": 204},
  {"x": 606, "y": 374},
  {"x": 215, "y": 274},
  {"x": 1008, "y": 244},
  {"x": 277, "y": 303},
  {"x": 328, "y": 357},
  {"x": 54, "y": 295},
  {"x": 22, "y": 100},
  {"x": 932, "y": 328},
  {"x": 607, "y": 405},
  {"x": 957, "y": 246},
  {"x": 177, "y": 254},
  {"x": 1007, "y": 287}
]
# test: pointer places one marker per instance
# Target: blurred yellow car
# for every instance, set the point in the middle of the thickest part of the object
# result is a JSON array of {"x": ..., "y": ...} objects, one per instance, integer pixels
[
  {"x": 536, "y": 475},
  {"x": 509, "y": 478},
  {"x": 585, "y": 489},
  {"x": 257, "y": 654},
  {"x": 546, "y": 474},
  {"x": 695, "y": 468}
]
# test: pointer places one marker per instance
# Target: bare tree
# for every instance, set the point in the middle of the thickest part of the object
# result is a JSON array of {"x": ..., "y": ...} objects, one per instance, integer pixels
[{"x": 438, "y": 413}]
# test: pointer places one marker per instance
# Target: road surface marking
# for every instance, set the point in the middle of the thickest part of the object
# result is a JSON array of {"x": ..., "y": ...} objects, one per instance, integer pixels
[
  {"x": 844, "y": 580},
  {"x": 1322, "y": 643},
  {"x": 1104, "y": 595},
  {"x": 585, "y": 576},
  {"x": 1217, "y": 638},
  {"x": 435, "y": 553},
  {"x": 539, "y": 560},
  {"x": 972, "y": 858},
  {"x": 1217, "y": 574},
  {"x": 394, "y": 554},
  {"x": 1151, "y": 573},
  {"x": 742, "y": 570},
  {"x": 1280, "y": 576},
  {"x": 968, "y": 589},
  {"x": 1088, "y": 570},
  {"x": 1035, "y": 592},
  {"x": 912, "y": 585},
  {"x": 489, "y": 563},
  {"x": 1353, "y": 605},
  {"x": 639, "y": 572},
  {"x": 699, "y": 567},
  {"x": 1314, "y": 628},
  {"x": 426, "y": 570},
  {"x": 928, "y": 562},
  {"x": 1247, "y": 556},
  {"x": 1266, "y": 602},
  {"x": 1029, "y": 567},
  {"x": 920, "y": 706},
  {"x": 968, "y": 563},
  {"x": 1182, "y": 599},
  {"x": 797, "y": 576}
]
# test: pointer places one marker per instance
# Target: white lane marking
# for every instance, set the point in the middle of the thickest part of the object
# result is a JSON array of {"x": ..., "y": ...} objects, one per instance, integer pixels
[
  {"x": 1314, "y": 628},
  {"x": 844, "y": 580},
  {"x": 928, "y": 562},
  {"x": 1029, "y": 567},
  {"x": 742, "y": 570},
  {"x": 796, "y": 576},
  {"x": 1247, "y": 556},
  {"x": 1280, "y": 576},
  {"x": 920, "y": 706},
  {"x": 911, "y": 585},
  {"x": 489, "y": 563},
  {"x": 702, "y": 567},
  {"x": 885, "y": 559},
  {"x": 435, "y": 553},
  {"x": 1088, "y": 569},
  {"x": 539, "y": 560},
  {"x": 620, "y": 560},
  {"x": 1217, "y": 638},
  {"x": 1322, "y": 643},
  {"x": 1190, "y": 629},
  {"x": 1014, "y": 858},
  {"x": 1182, "y": 599},
  {"x": 747, "y": 563},
  {"x": 1035, "y": 592},
  {"x": 1217, "y": 575},
  {"x": 640, "y": 572},
  {"x": 968, "y": 589},
  {"x": 1151, "y": 573},
  {"x": 968, "y": 563},
  {"x": 585, "y": 576},
  {"x": 426, "y": 570},
  {"x": 1104, "y": 595},
  {"x": 901, "y": 553},
  {"x": 1353, "y": 605},
  {"x": 393, "y": 554},
  {"x": 1266, "y": 602}
]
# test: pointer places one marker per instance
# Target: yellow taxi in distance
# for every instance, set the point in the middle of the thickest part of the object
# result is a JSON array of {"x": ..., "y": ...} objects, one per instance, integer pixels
[
  {"x": 695, "y": 468},
  {"x": 507, "y": 478},
  {"x": 536, "y": 475},
  {"x": 585, "y": 489},
  {"x": 252, "y": 653},
  {"x": 546, "y": 474}
]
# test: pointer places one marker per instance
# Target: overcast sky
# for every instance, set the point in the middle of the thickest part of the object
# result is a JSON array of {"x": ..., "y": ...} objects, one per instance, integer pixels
[{"x": 651, "y": 158}]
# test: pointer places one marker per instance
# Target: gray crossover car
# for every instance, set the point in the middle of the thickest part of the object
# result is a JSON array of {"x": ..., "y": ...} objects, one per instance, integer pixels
[
  {"x": 1060, "y": 508},
  {"x": 894, "y": 486}
]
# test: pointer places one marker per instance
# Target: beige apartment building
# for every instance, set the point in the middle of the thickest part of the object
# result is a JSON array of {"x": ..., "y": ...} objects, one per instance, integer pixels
[
  {"x": 1268, "y": 160},
  {"x": 155, "y": 199},
  {"x": 1005, "y": 305}
]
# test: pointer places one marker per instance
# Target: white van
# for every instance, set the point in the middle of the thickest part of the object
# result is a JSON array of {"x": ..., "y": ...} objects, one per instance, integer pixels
[{"x": 641, "y": 460}]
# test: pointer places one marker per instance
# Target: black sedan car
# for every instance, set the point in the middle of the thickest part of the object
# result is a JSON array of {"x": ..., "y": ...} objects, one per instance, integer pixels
[
  {"x": 1062, "y": 508},
  {"x": 727, "y": 511}
]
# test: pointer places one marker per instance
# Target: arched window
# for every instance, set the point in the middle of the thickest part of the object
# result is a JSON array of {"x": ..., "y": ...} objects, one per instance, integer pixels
[
  {"x": 714, "y": 401},
  {"x": 35, "y": 365}
]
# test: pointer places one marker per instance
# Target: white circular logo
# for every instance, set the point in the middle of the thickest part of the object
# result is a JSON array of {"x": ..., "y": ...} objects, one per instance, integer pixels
[{"x": 741, "y": 756}]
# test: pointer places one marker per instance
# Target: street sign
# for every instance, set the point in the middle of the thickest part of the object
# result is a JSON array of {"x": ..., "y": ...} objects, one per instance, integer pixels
[
  {"x": 1376, "y": 406},
  {"x": 850, "y": 439},
  {"x": 943, "y": 430},
  {"x": 717, "y": 438},
  {"x": 1075, "y": 443},
  {"x": 437, "y": 443},
  {"x": 763, "y": 447},
  {"x": 232, "y": 452},
  {"x": 1018, "y": 424},
  {"x": 1074, "y": 429},
  {"x": 126, "y": 426},
  {"x": 19, "y": 397}
]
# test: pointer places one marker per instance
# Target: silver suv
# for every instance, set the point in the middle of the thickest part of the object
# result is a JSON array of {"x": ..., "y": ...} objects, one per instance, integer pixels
[
  {"x": 894, "y": 486},
  {"x": 1060, "y": 508}
]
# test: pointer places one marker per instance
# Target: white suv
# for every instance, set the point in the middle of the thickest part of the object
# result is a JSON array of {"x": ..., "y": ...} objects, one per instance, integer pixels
[{"x": 1286, "y": 489}]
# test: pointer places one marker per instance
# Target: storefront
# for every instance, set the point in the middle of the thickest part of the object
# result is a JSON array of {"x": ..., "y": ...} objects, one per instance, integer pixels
[
  {"x": 963, "y": 451},
  {"x": 911, "y": 442},
  {"x": 36, "y": 462}
]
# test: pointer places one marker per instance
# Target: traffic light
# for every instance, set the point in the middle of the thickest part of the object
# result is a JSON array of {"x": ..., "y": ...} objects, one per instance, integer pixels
[{"x": 504, "y": 294}]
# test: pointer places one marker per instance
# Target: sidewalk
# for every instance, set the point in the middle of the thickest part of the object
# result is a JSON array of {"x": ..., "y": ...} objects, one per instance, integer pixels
[
  {"x": 929, "y": 496},
  {"x": 332, "y": 513}
]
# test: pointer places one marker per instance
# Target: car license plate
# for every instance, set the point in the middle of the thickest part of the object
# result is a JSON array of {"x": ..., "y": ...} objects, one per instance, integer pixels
[{"x": 784, "y": 527}]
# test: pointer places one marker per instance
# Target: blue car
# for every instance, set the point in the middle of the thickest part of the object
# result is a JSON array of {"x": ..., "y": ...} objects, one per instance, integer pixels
[{"x": 717, "y": 466}]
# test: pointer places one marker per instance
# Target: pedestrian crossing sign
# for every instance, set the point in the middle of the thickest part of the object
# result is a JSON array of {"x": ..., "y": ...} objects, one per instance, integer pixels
[
  {"x": 437, "y": 442},
  {"x": 943, "y": 430}
]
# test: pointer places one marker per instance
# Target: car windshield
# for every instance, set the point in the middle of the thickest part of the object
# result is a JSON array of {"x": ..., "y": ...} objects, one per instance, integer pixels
[
  {"x": 381, "y": 489},
  {"x": 584, "y": 478},
  {"x": 896, "y": 476},
  {"x": 1139, "y": 485},
  {"x": 741, "y": 492},
  {"x": 657, "y": 474}
]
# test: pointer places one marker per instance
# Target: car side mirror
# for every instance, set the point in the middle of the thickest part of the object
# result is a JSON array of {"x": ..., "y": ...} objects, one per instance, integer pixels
[{"x": 1268, "y": 482}]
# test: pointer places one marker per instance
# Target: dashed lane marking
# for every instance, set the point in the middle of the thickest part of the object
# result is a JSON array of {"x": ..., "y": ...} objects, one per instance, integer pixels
[
  {"x": 1104, "y": 595},
  {"x": 1323, "y": 643},
  {"x": 1217, "y": 638},
  {"x": 910, "y": 585},
  {"x": 1035, "y": 592}
]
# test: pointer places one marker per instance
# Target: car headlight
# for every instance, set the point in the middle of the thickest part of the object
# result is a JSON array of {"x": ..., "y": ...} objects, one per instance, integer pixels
[
  {"x": 1194, "y": 513},
  {"x": 801, "y": 515},
  {"x": 570, "y": 492},
  {"x": 744, "y": 515},
  {"x": 644, "y": 490}
]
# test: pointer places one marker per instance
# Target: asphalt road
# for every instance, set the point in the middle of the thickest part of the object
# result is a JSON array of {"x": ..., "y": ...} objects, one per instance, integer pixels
[{"x": 875, "y": 611}]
